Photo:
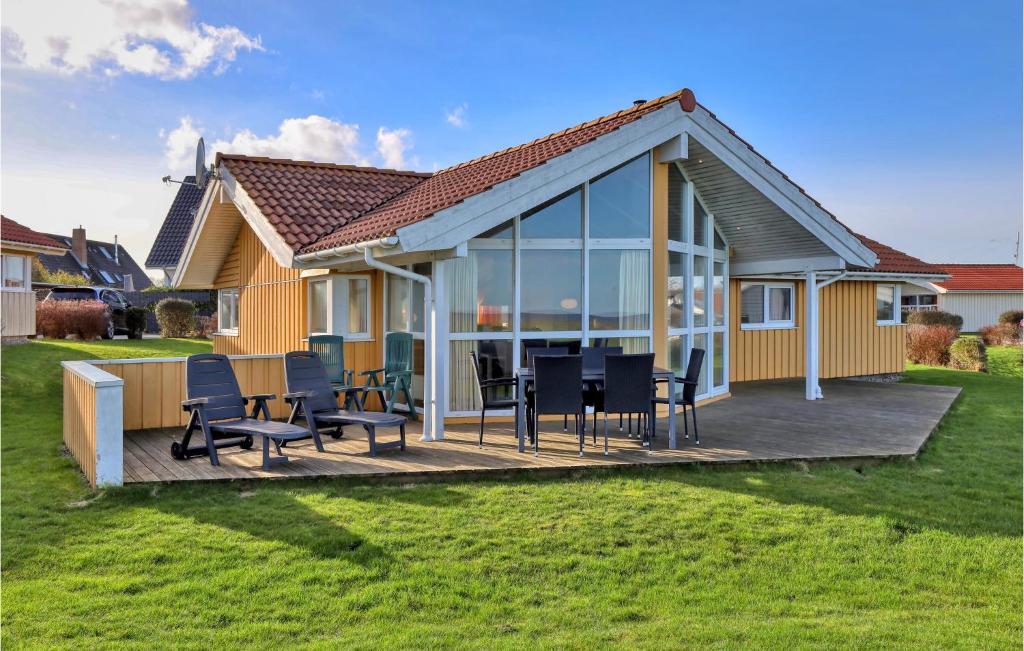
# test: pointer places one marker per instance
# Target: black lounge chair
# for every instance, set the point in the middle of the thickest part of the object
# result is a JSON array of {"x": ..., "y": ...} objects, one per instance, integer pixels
[
  {"x": 314, "y": 400},
  {"x": 216, "y": 407},
  {"x": 688, "y": 395},
  {"x": 486, "y": 393},
  {"x": 627, "y": 389}
]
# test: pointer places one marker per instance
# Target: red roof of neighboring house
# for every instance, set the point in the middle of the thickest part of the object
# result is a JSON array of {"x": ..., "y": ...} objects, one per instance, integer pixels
[
  {"x": 12, "y": 231},
  {"x": 892, "y": 261},
  {"x": 455, "y": 184},
  {"x": 305, "y": 201},
  {"x": 983, "y": 277}
]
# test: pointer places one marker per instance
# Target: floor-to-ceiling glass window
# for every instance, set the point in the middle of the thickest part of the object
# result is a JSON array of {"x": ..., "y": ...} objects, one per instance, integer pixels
[
  {"x": 573, "y": 271},
  {"x": 697, "y": 286},
  {"x": 403, "y": 312}
]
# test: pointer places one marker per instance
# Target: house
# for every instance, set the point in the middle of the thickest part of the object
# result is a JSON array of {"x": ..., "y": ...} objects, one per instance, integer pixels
[
  {"x": 656, "y": 228},
  {"x": 103, "y": 264},
  {"x": 19, "y": 245},
  {"x": 979, "y": 293},
  {"x": 170, "y": 241}
]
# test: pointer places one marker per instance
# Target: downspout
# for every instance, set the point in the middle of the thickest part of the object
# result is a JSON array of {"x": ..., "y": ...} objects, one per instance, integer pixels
[{"x": 430, "y": 430}]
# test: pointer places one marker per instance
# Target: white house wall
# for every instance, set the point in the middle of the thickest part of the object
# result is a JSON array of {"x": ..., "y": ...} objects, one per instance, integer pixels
[{"x": 979, "y": 309}]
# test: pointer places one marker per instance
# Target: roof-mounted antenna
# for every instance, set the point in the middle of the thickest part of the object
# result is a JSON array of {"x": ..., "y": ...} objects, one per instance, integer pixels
[{"x": 203, "y": 173}]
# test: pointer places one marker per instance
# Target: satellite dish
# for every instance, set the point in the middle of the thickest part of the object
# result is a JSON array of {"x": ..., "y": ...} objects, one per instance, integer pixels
[{"x": 201, "y": 172}]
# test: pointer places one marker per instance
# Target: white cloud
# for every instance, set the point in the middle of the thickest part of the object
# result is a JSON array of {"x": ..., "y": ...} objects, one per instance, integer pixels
[
  {"x": 314, "y": 138},
  {"x": 147, "y": 37},
  {"x": 392, "y": 145},
  {"x": 180, "y": 146},
  {"x": 457, "y": 116}
]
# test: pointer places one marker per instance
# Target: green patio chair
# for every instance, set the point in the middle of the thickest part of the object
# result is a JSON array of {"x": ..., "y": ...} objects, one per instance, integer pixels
[
  {"x": 331, "y": 349},
  {"x": 397, "y": 373}
]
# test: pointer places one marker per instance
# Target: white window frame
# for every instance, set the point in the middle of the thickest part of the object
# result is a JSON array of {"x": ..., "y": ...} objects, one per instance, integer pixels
[
  {"x": 26, "y": 273},
  {"x": 896, "y": 306},
  {"x": 689, "y": 331},
  {"x": 221, "y": 293},
  {"x": 768, "y": 324},
  {"x": 342, "y": 328}
]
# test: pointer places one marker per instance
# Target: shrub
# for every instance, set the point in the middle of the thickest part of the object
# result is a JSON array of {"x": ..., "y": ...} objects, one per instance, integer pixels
[
  {"x": 206, "y": 326},
  {"x": 135, "y": 320},
  {"x": 935, "y": 318},
  {"x": 58, "y": 319},
  {"x": 930, "y": 344},
  {"x": 1001, "y": 334},
  {"x": 41, "y": 275},
  {"x": 1012, "y": 316},
  {"x": 176, "y": 317},
  {"x": 968, "y": 354}
]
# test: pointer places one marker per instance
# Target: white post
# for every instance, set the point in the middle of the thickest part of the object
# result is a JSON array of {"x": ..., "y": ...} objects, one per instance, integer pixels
[
  {"x": 439, "y": 350},
  {"x": 110, "y": 432},
  {"x": 811, "y": 389}
]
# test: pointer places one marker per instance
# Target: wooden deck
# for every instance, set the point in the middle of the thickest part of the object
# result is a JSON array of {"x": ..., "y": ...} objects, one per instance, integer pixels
[{"x": 765, "y": 421}]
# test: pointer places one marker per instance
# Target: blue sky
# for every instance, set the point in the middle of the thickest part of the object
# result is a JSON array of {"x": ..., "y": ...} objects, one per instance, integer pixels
[{"x": 902, "y": 118}]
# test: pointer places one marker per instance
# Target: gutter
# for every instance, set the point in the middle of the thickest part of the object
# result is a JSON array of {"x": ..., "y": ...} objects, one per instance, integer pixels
[{"x": 338, "y": 251}]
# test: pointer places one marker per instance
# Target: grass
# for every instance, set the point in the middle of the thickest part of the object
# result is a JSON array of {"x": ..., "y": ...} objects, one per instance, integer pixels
[{"x": 922, "y": 553}]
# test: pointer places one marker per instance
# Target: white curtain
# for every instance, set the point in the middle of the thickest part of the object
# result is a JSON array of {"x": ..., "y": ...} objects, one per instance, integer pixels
[
  {"x": 634, "y": 290},
  {"x": 461, "y": 276}
]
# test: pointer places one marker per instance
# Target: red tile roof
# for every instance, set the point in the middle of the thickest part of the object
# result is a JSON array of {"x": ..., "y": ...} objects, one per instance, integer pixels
[
  {"x": 305, "y": 201},
  {"x": 455, "y": 184},
  {"x": 12, "y": 231},
  {"x": 984, "y": 277},
  {"x": 892, "y": 261}
]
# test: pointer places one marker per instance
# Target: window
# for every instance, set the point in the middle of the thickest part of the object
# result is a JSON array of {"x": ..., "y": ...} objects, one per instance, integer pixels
[
  {"x": 766, "y": 305},
  {"x": 886, "y": 300},
  {"x": 620, "y": 281},
  {"x": 14, "y": 275},
  {"x": 107, "y": 278},
  {"x": 106, "y": 254},
  {"x": 340, "y": 305},
  {"x": 561, "y": 218},
  {"x": 620, "y": 202},
  {"x": 227, "y": 311}
]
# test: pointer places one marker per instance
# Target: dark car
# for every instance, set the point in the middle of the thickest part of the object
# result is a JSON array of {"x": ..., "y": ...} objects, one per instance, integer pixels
[{"x": 117, "y": 306}]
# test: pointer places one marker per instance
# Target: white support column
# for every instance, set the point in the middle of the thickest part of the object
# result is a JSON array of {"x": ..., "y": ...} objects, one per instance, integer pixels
[
  {"x": 110, "y": 432},
  {"x": 439, "y": 350},
  {"x": 811, "y": 390}
]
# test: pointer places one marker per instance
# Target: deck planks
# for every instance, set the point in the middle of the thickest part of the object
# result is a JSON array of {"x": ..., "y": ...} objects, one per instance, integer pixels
[{"x": 763, "y": 421}]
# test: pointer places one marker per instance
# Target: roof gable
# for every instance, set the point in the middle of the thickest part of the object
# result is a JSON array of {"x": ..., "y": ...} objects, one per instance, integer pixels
[
  {"x": 453, "y": 185},
  {"x": 98, "y": 264}
]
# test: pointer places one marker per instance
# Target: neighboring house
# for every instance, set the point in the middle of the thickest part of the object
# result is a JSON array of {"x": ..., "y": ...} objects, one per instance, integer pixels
[
  {"x": 655, "y": 228},
  {"x": 170, "y": 241},
  {"x": 19, "y": 245},
  {"x": 103, "y": 264},
  {"x": 977, "y": 292}
]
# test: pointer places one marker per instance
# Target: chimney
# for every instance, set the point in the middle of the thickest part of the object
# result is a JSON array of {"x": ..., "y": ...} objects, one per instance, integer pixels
[
  {"x": 79, "y": 247},
  {"x": 116, "y": 261},
  {"x": 639, "y": 102}
]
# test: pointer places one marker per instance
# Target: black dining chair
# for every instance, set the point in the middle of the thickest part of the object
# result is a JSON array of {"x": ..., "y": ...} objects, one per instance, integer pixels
[
  {"x": 486, "y": 391},
  {"x": 558, "y": 390},
  {"x": 688, "y": 396},
  {"x": 531, "y": 353},
  {"x": 627, "y": 390},
  {"x": 593, "y": 359}
]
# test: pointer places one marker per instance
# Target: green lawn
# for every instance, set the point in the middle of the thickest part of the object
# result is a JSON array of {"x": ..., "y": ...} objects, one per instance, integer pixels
[{"x": 899, "y": 554}]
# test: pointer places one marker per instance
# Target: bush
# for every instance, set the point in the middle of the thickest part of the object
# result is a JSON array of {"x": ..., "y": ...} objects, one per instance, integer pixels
[
  {"x": 1001, "y": 334},
  {"x": 135, "y": 321},
  {"x": 206, "y": 326},
  {"x": 968, "y": 354},
  {"x": 58, "y": 319},
  {"x": 930, "y": 344},
  {"x": 936, "y": 318},
  {"x": 1012, "y": 316},
  {"x": 41, "y": 275},
  {"x": 176, "y": 317}
]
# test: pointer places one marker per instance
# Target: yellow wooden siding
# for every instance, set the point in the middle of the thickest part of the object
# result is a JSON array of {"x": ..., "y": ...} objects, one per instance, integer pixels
[
  {"x": 17, "y": 314},
  {"x": 850, "y": 341},
  {"x": 660, "y": 255},
  {"x": 272, "y": 306},
  {"x": 80, "y": 422}
]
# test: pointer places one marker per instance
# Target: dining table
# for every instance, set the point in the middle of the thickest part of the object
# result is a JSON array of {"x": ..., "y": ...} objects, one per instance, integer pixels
[{"x": 524, "y": 377}]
